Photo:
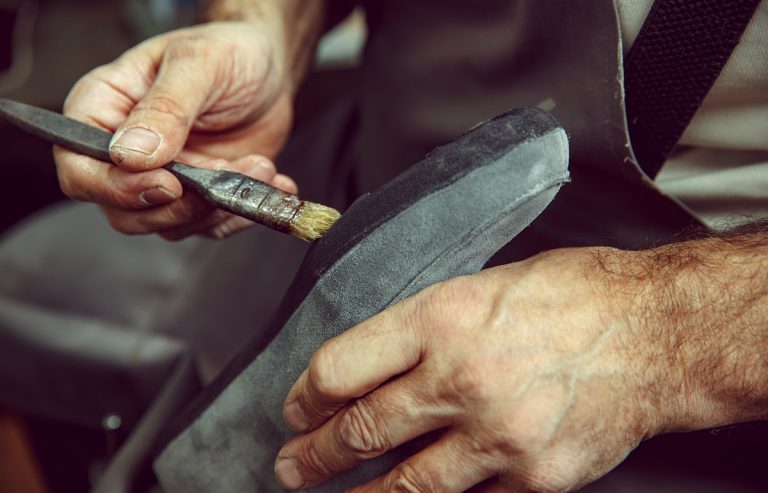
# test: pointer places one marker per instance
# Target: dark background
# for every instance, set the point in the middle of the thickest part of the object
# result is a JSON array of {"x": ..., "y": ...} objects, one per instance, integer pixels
[{"x": 67, "y": 39}]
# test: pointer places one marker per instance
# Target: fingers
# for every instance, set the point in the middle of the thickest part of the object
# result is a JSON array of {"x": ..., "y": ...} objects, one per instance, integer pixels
[
  {"x": 216, "y": 224},
  {"x": 219, "y": 224},
  {"x": 85, "y": 179},
  {"x": 189, "y": 209},
  {"x": 285, "y": 183},
  {"x": 102, "y": 98},
  {"x": 191, "y": 214},
  {"x": 449, "y": 465},
  {"x": 370, "y": 426},
  {"x": 354, "y": 363},
  {"x": 157, "y": 127}
]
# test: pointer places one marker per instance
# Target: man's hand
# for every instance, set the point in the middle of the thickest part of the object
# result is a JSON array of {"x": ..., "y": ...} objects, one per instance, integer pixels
[
  {"x": 541, "y": 375},
  {"x": 527, "y": 369},
  {"x": 216, "y": 91}
]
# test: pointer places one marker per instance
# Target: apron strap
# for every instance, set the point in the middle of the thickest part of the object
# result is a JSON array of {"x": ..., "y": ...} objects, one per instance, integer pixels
[{"x": 680, "y": 51}]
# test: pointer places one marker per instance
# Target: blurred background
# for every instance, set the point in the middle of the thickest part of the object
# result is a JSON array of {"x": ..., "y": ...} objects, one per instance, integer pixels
[{"x": 45, "y": 47}]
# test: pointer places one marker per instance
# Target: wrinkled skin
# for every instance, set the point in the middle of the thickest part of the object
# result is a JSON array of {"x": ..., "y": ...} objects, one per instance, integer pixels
[
  {"x": 533, "y": 373},
  {"x": 214, "y": 95}
]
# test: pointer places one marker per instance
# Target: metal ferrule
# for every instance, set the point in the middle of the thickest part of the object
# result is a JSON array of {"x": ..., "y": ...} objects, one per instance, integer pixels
[
  {"x": 264, "y": 204},
  {"x": 242, "y": 195}
]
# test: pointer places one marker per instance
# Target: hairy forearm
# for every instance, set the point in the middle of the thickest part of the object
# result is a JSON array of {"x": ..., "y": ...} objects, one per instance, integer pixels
[
  {"x": 298, "y": 24},
  {"x": 702, "y": 306},
  {"x": 717, "y": 312}
]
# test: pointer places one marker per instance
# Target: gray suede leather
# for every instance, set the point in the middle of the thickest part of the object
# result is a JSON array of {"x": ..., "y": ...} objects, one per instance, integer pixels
[{"x": 469, "y": 199}]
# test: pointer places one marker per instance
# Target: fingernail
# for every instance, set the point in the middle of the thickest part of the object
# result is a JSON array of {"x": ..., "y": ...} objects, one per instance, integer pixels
[
  {"x": 138, "y": 139},
  {"x": 157, "y": 196},
  {"x": 222, "y": 166},
  {"x": 259, "y": 166},
  {"x": 288, "y": 474},
  {"x": 295, "y": 417},
  {"x": 263, "y": 164}
]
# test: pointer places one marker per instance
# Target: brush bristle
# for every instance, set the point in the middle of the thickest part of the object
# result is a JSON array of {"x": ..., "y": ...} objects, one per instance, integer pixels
[{"x": 313, "y": 220}]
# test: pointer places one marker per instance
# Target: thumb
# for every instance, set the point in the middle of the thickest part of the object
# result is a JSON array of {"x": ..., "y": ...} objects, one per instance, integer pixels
[{"x": 157, "y": 127}]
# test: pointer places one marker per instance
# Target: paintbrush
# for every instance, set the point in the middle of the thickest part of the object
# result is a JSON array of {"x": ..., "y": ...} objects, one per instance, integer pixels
[{"x": 227, "y": 190}]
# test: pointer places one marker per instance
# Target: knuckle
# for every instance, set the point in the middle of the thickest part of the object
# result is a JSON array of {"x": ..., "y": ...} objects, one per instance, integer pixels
[
  {"x": 514, "y": 438},
  {"x": 252, "y": 160},
  {"x": 432, "y": 309},
  {"x": 183, "y": 212},
  {"x": 548, "y": 476},
  {"x": 457, "y": 289},
  {"x": 470, "y": 384},
  {"x": 531, "y": 426},
  {"x": 217, "y": 164},
  {"x": 98, "y": 73},
  {"x": 159, "y": 105},
  {"x": 444, "y": 306},
  {"x": 322, "y": 374},
  {"x": 361, "y": 432},
  {"x": 191, "y": 46},
  {"x": 314, "y": 465},
  {"x": 121, "y": 224},
  {"x": 69, "y": 187},
  {"x": 219, "y": 232},
  {"x": 215, "y": 54},
  {"x": 406, "y": 479},
  {"x": 227, "y": 228},
  {"x": 115, "y": 197}
]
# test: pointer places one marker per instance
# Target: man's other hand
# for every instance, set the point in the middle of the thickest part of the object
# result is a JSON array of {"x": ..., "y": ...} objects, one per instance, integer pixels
[{"x": 532, "y": 377}]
